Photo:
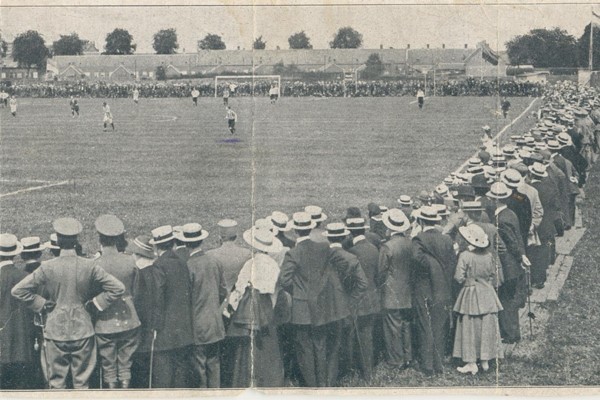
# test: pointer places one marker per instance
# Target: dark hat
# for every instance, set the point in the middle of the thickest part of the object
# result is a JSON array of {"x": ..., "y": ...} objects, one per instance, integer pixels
[
  {"x": 352, "y": 212},
  {"x": 141, "y": 246},
  {"x": 479, "y": 181},
  {"x": 109, "y": 225},
  {"x": 374, "y": 211},
  {"x": 463, "y": 191}
]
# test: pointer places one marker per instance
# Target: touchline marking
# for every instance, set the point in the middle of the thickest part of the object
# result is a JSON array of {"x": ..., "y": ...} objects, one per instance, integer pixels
[
  {"x": 31, "y": 189},
  {"x": 25, "y": 180},
  {"x": 463, "y": 165}
]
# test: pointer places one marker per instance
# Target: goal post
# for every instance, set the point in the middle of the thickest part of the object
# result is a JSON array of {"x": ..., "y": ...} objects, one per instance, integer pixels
[{"x": 248, "y": 78}]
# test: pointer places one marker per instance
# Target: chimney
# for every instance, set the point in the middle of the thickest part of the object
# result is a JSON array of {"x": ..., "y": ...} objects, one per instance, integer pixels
[
  {"x": 408, "y": 46},
  {"x": 466, "y": 45},
  {"x": 238, "y": 47},
  {"x": 443, "y": 46},
  {"x": 427, "y": 45},
  {"x": 380, "y": 47}
]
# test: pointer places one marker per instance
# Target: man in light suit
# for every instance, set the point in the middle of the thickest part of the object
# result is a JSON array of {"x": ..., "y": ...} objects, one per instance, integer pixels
[
  {"x": 314, "y": 275},
  {"x": 70, "y": 282},
  {"x": 117, "y": 333}
]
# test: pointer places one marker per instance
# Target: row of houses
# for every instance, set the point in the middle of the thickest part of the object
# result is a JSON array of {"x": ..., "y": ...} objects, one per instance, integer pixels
[{"x": 480, "y": 61}]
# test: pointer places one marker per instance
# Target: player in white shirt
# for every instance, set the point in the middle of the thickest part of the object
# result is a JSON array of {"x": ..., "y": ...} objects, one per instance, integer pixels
[
  {"x": 74, "y": 107},
  {"x": 136, "y": 95},
  {"x": 225, "y": 96},
  {"x": 195, "y": 95},
  {"x": 231, "y": 118},
  {"x": 274, "y": 93},
  {"x": 4, "y": 98},
  {"x": 420, "y": 97},
  {"x": 108, "y": 119},
  {"x": 13, "y": 106}
]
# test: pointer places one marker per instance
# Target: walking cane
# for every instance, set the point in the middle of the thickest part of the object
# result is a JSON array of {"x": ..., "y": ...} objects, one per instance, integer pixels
[
  {"x": 530, "y": 314},
  {"x": 151, "y": 358},
  {"x": 360, "y": 347}
]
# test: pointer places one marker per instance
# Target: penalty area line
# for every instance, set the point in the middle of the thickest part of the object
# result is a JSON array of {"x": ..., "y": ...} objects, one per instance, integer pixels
[{"x": 31, "y": 189}]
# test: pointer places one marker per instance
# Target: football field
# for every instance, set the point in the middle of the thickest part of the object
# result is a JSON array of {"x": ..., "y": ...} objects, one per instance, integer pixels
[{"x": 169, "y": 162}]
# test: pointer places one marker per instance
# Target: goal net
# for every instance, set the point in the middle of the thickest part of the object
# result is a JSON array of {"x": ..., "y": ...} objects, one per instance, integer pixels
[{"x": 247, "y": 85}]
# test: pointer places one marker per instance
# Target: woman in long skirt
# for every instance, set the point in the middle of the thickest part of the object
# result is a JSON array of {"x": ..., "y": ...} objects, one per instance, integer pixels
[
  {"x": 477, "y": 330},
  {"x": 251, "y": 305}
]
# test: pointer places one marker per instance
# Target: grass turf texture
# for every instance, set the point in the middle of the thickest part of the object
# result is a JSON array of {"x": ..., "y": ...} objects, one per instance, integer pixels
[{"x": 170, "y": 162}]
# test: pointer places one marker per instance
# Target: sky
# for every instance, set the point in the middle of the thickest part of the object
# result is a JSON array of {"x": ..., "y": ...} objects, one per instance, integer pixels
[{"x": 381, "y": 23}]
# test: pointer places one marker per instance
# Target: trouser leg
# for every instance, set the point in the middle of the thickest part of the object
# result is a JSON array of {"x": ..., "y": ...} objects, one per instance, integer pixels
[
  {"x": 305, "y": 354},
  {"x": 127, "y": 345},
  {"x": 58, "y": 365},
  {"x": 333, "y": 345},
  {"x": 83, "y": 361},
  {"x": 107, "y": 351},
  {"x": 365, "y": 344}
]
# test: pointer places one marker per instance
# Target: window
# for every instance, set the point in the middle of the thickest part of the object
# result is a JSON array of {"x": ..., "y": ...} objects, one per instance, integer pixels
[
  {"x": 151, "y": 74},
  {"x": 145, "y": 73},
  {"x": 35, "y": 75},
  {"x": 3, "y": 75}
]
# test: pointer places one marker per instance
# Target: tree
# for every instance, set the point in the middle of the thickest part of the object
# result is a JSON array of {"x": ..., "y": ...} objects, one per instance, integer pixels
[
  {"x": 212, "y": 42},
  {"x": 374, "y": 67},
  {"x": 543, "y": 48},
  {"x": 299, "y": 40},
  {"x": 29, "y": 50},
  {"x": 584, "y": 48},
  {"x": 346, "y": 38},
  {"x": 3, "y": 47},
  {"x": 68, "y": 45},
  {"x": 259, "y": 44},
  {"x": 119, "y": 42},
  {"x": 165, "y": 41}
]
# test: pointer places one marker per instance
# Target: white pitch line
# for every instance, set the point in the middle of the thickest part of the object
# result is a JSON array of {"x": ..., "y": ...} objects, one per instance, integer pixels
[
  {"x": 463, "y": 165},
  {"x": 31, "y": 189},
  {"x": 25, "y": 180}
]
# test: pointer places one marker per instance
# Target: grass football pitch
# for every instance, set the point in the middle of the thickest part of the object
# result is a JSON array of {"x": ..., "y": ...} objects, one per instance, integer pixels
[{"x": 169, "y": 162}]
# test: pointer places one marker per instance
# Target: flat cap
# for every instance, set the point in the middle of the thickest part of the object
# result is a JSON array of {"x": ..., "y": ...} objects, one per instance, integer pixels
[
  {"x": 109, "y": 225},
  {"x": 67, "y": 226}
]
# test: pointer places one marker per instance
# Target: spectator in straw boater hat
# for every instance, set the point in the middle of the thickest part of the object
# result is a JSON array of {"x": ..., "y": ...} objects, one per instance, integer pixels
[
  {"x": 208, "y": 291},
  {"x": 368, "y": 306},
  {"x": 316, "y": 214},
  {"x": 117, "y": 333},
  {"x": 513, "y": 292},
  {"x": 16, "y": 335},
  {"x": 394, "y": 278},
  {"x": 70, "y": 283},
  {"x": 32, "y": 252},
  {"x": 435, "y": 261},
  {"x": 258, "y": 360},
  {"x": 569, "y": 152},
  {"x": 557, "y": 161},
  {"x": 518, "y": 202},
  {"x": 406, "y": 206},
  {"x": 180, "y": 247},
  {"x": 376, "y": 234},
  {"x": 281, "y": 223},
  {"x": 173, "y": 323},
  {"x": 52, "y": 245}
]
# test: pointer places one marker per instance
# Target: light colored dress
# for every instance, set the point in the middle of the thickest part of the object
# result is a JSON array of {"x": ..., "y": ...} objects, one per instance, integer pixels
[{"x": 477, "y": 330}]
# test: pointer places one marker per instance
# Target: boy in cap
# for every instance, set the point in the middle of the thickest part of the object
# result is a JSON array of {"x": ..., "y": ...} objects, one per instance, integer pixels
[
  {"x": 70, "y": 283},
  {"x": 117, "y": 333},
  {"x": 16, "y": 321},
  {"x": 377, "y": 231},
  {"x": 208, "y": 292}
]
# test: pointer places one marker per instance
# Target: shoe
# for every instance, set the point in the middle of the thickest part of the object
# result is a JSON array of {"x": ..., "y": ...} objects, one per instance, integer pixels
[{"x": 470, "y": 368}]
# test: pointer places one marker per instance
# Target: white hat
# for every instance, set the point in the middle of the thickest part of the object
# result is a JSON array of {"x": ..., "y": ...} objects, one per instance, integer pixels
[
  {"x": 263, "y": 223},
  {"x": 263, "y": 240},
  {"x": 442, "y": 209},
  {"x": 316, "y": 213},
  {"x": 405, "y": 201},
  {"x": 512, "y": 178},
  {"x": 52, "y": 243},
  {"x": 474, "y": 235},
  {"x": 499, "y": 190},
  {"x": 9, "y": 245},
  {"x": 356, "y": 223},
  {"x": 302, "y": 221},
  {"x": 32, "y": 244},
  {"x": 395, "y": 220},
  {"x": 280, "y": 221},
  {"x": 336, "y": 229},
  {"x": 428, "y": 213},
  {"x": 190, "y": 233},
  {"x": 538, "y": 169},
  {"x": 162, "y": 234}
]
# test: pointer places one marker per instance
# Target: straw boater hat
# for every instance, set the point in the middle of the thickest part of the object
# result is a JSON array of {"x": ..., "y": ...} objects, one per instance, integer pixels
[
  {"x": 429, "y": 214},
  {"x": 302, "y": 221},
  {"x": 564, "y": 139},
  {"x": 405, "y": 201},
  {"x": 192, "y": 232},
  {"x": 512, "y": 178},
  {"x": 471, "y": 206},
  {"x": 52, "y": 243},
  {"x": 499, "y": 191},
  {"x": 263, "y": 223},
  {"x": 441, "y": 209},
  {"x": 474, "y": 235},
  {"x": 162, "y": 234},
  {"x": 32, "y": 244},
  {"x": 9, "y": 245},
  {"x": 263, "y": 240},
  {"x": 316, "y": 213},
  {"x": 395, "y": 220},
  {"x": 228, "y": 228},
  {"x": 474, "y": 161},
  {"x": 441, "y": 189},
  {"x": 336, "y": 229},
  {"x": 554, "y": 145},
  {"x": 280, "y": 221},
  {"x": 141, "y": 246},
  {"x": 538, "y": 170},
  {"x": 356, "y": 223}
]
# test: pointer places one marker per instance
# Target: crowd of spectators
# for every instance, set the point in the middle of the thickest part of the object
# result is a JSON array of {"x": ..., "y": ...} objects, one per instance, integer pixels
[{"x": 260, "y": 87}]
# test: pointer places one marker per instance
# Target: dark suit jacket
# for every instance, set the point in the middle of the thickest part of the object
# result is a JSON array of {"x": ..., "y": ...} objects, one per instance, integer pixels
[
  {"x": 435, "y": 263},
  {"x": 231, "y": 258},
  {"x": 519, "y": 204},
  {"x": 121, "y": 316},
  {"x": 368, "y": 257},
  {"x": 16, "y": 337},
  {"x": 320, "y": 280},
  {"x": 70, "y": 281},
  {"x": 208, "y": 291},
  {"x": 561, "y": 181},
  {"x": 508, "y": 229},
  {"x": 395, "y": 273},
  {"x": 549, "y": 198},
  {"x": 173, "y": 309}
]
